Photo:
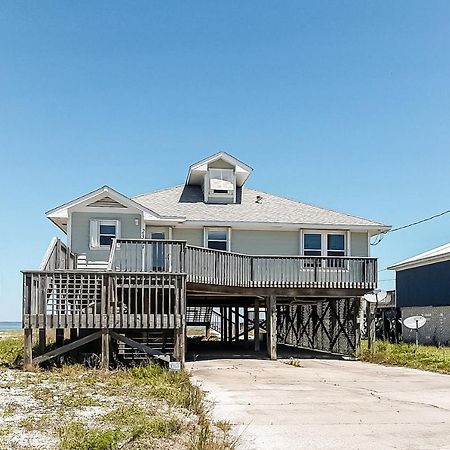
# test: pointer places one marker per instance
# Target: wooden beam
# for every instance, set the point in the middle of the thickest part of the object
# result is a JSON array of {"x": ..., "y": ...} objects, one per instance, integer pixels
[
  {"x": 272, "y": 327},
  {"x": 67, "y": 348},
  {"x": 142, "y": 347},
  {"x": 28, "y": 349},
  {"x": 105, "y": 348},
  {"x": 256, "y": 325}
]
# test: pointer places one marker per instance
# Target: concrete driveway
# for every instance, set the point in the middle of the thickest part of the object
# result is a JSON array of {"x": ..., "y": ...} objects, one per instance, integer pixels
[{"x": 327, "y": 404}]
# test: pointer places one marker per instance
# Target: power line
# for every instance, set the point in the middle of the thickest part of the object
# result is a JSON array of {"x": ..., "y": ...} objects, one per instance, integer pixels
[{"x": 381, "y": 236}]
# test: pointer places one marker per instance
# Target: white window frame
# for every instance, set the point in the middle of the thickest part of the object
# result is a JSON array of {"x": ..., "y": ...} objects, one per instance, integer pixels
[
  {"x": 210, "y": 192},
  {"x": 227, "y": 231},
  {"x": 324, "y": 241},
  {"x": 94, "y": 232}
]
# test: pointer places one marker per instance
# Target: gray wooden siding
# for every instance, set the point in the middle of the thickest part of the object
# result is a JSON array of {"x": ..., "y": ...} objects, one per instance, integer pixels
[
  {"x": 265, "y": 242},
  {"x": 80, "y": 238},
  {"x": 193, "y": 236},
  {"x": 359, "y": 244},
  {"x": 151, "y": 229}
]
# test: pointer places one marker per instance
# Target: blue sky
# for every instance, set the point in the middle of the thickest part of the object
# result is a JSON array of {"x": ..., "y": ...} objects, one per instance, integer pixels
[{"x": 337, "y": 103}]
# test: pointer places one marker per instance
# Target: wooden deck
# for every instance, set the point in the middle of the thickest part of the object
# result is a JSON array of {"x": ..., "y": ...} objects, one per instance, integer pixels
[{"x": 147, "y": 282}]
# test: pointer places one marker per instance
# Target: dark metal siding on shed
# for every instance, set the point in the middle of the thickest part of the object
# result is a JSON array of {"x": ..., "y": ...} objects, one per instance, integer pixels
[{"x": 424, "y": 286}]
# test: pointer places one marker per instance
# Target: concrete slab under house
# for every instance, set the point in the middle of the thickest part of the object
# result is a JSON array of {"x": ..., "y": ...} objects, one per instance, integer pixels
[{"x": 252, "y": 269}]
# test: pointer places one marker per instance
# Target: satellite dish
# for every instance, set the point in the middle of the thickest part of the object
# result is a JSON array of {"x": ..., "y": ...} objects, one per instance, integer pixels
[
  {"x": 376, "y": 296},
  {"x": 414, "y": 322}
]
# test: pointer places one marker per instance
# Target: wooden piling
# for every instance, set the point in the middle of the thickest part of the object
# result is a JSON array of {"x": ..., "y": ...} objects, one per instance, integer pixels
[
  {"x": 28, "y": 349},
  {"x": 272, "y": 327},
  {"x": 256, "y": 326},
  {"x": 246, "y": 324},
  {"x": 42, "y": 340},
  {"x": 105, "y": 348}
]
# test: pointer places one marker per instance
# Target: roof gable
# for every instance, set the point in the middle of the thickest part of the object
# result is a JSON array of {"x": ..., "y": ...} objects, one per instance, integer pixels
[
  {"x": 438, "y": 254},
  {"x": 222, "y": 160}
]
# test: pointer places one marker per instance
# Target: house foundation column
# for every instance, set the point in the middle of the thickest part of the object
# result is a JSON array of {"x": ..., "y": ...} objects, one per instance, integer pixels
[
  {"x": 246, "y": 324},
  {"x": 271, "y": 322},
  {"x": 105, "y": 348},
  {"x": 28, "y": 349},
  {"x": 256, "y": 325},
  {"x": 42, "y": 340}
]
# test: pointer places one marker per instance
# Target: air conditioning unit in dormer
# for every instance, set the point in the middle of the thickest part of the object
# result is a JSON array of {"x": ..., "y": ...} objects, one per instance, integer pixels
[{"x": 221, "y": 184}]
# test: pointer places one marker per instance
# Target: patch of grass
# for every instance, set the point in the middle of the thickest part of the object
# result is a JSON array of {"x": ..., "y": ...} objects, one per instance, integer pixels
[
  {"x": 175, "y": 387},
  {"x": 11, "y": 351},
  {"x": 207, "y": 438},
  {"x": 435, "y": 359},
  {"x": 10, "y": 409},
  {"x": 77, "y": 399},
  {"x": 77, "y": 436},
  {"x": 136, "y": 422},
  {"x": 43, "y": 394}
]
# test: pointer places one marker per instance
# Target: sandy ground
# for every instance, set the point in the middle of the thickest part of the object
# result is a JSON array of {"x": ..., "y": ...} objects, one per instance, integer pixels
[{"x": 327, "y": 404}]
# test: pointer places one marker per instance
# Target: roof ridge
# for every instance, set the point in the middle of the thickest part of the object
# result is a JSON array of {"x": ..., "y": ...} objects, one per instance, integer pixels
[{"x": 317, "y": 206}]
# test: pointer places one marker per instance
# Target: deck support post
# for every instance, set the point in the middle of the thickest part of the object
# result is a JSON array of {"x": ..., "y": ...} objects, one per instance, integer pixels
[
  {"x": 369, "y": 325},
  {"x": 28, "y": 349},
  {"x": 179, "y": 351},
  {"x": 256, "y": 325},
  {"x": 59, "y": 337},
  {"x": 357, "y": 306},
  {"x": 208, "y": 330},
  {"x": 223, "y": 324},
  {"x": 105, "y": 348},
  {"x": 230, "y": 324},
  {"x": 246, "y": 324},
  {"x": 236, "y": 324},
  {"x": 42, "y": 340},
  {"x": 73, "y": 334},
  {"x": 272, "y": 327}
]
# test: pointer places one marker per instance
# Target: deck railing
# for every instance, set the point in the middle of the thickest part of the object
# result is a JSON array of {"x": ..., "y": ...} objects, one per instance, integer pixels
[
  {"x": 222, "y": 268},
  {"x": 93, "y": 299},
  {"x": 58, "y": 256},
  {"x": 147, "y": 255}
]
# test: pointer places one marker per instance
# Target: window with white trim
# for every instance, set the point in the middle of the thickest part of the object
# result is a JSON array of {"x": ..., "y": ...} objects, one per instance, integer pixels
[
  {"x": 312, "y": 244},
  {"x": 217, "y": 239},
  {"x": 221, "y": 181},
  {"x": 335, "y": 245},
  {"x": 324, "y": 244},
  {"x": 102, "y": 232}
]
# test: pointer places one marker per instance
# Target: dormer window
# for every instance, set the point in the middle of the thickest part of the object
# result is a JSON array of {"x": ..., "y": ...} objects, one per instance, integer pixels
[{"x": 221, "y": 181}]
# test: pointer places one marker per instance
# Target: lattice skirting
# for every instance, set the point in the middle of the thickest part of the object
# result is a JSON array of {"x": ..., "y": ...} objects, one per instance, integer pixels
[{"x": 330, "y": 325}]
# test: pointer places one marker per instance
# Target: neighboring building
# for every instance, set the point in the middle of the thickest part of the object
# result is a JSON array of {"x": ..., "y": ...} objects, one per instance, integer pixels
[
  {"x": 423, "y": 288},
  {"x": 219, "y": 244}
]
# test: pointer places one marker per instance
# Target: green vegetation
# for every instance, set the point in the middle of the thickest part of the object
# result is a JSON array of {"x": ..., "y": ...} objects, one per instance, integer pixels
[
  {"x": 11, "y": 350},
  {"x": 77, "y": 436},
  {"x": 79, "y": 408},
  {"x": 435, "y": 359}
]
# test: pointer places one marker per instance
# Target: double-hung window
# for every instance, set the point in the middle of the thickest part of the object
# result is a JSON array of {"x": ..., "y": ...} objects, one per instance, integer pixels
[
  {"x": 317, "y": 244},
  {"x": 102, "y": 232},
  {"x": 312, "y": 244},
  {"x": 217, "y": 239},
  {"x": 335, "y": 248}
]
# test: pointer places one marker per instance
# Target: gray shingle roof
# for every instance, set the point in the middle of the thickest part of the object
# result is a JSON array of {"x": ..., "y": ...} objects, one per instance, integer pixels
[{"x": 187, "y": 201}]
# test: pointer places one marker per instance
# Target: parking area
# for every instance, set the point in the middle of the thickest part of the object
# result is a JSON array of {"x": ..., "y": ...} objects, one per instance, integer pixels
[{"x": 310, "y": 403}]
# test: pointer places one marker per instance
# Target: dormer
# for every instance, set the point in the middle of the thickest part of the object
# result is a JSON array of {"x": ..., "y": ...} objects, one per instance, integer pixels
[{"x": 220, "y": 176}]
